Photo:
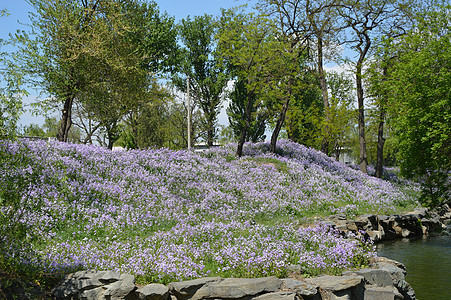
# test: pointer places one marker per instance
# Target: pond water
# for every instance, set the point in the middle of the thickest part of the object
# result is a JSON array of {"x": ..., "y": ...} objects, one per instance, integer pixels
[{"x": 428, "y": 263}]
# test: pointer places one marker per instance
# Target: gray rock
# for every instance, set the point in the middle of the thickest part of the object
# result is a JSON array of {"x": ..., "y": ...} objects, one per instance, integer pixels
[
  {"x": 109, "y": 277},
  {"x": 376, "y": 277},
  {"x": 93, "y": 294},
  {"x": 186, "y": 289},
  {"x": 87, "y": 284},
  {"x": 154, "y": 291},
  {"x": 381, "y": 293},
  {"x": 375, "y": 235},
  {"x": 284, "y": 295},
  {"x": 235, "y": 288},
  {"x": 121, "y": 289},
  {"x": 89, "y": 274},
  {"x": 406, "y": 290},
  {"x": 67, "y": 288},
  {"x": 300, "y": 287},
  {"x": 336, "y": 283},
  {"x": 373, "y": 221}
]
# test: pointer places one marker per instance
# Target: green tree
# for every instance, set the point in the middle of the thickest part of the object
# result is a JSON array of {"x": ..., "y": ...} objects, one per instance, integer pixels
[
  {"x": 78, "y": 50},
  {"x": 315, "y": 26},
  {"x": 237, "y": 109},
  {"x": 207, "y": 77},
  {"x": 420, "y": 103},
  {"x": 246, "y": 43},
  {"x": 366, "y": 21}
]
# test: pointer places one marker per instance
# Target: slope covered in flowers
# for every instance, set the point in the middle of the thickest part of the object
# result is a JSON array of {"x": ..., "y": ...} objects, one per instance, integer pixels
[{"x": 169, "y": 215}]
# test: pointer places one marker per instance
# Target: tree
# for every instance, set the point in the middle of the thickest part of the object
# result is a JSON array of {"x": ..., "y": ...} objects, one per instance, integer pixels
[
  {"x": 245, "y": 44},
  {"x": 341, "y": 113},
  {"x": 366, "y": 21},
  {"x": 78, "y": 47},
  {"x": 207, "y": 78},
  {"x": 315, "y": 26},
  {"x": 237, "y": 109},
  {"x": 420, "y": 102}
]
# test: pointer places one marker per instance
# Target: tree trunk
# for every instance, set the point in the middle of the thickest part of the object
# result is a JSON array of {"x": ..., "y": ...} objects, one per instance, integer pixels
[
  {"x": 210, "y": 133},
  {"x": 362, "y": 139},
  {"x": 66, "y": 119},
  {"x": 380, "y": 135},
  {"x": 244, "y": 133},
  {"x": 279, "y": 124},
  {"x": 380, "y": 145},
  {"x": 322, "y": 79},
  {"x": 361, "y": 108}
]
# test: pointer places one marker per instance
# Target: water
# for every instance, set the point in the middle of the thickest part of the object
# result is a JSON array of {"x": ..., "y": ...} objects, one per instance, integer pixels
[{"x": 428, "y": 263}]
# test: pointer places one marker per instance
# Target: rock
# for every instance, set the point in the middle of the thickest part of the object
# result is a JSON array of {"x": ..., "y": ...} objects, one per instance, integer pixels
[
  {"x": 236, "y": 288},
  {"x": 301, "y": 287},
  {"x": 375, "y": 235},
  {"x": 67, "y": 288},
  {"x": 350, "y": 224},
  {"x": 375, "y": 277},
  {"x": 372, "y": 220},
  {"x": 92, "y": 294},
  {"x": 154, "y": 291},
  {"x": 284, "y": 295},
  {"x": 122, "y": 288},
  {"x": 405, "y": 232},
  {"x": 337, "y": 217},
  {"x": 336, "y": 283},
  {"x": 329, "y": 223},
  {"x": 186, "y": 289},
  {"x": 109, "y": 277},
  {"x": 87, "y": 284},
  {"x": 432, "y": 225},
  {"x": 381, "y": 293}
]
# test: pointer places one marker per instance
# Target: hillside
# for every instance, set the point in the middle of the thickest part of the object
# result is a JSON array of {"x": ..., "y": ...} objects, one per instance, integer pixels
[{"x": 168, "y": 215}]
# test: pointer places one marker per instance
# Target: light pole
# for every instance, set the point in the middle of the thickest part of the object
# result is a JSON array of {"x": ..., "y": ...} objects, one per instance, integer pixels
[{"x": 189, "y": 114}]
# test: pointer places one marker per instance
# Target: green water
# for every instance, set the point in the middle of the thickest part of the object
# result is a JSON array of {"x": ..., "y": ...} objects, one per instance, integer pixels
[{"x": 428, "y": 263}]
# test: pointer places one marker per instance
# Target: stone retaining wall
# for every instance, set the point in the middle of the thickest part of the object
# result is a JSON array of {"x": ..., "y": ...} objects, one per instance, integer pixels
[
  {"x": 413, "y": 224},
  {"x": 383, "y": 281}
]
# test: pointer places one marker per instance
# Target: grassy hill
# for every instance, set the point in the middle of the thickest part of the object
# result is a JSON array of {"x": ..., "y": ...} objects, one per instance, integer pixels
[{"x": 167, "y": 215}]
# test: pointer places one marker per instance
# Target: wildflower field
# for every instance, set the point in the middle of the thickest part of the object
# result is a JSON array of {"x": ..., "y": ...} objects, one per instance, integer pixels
[{"x": 166, "y": 215}]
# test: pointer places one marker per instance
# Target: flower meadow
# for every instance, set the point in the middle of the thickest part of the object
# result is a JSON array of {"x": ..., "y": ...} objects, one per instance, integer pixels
[{"x": 166, "y": 215}]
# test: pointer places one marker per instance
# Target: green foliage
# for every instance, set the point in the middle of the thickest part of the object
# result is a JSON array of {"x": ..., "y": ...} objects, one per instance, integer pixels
[
  {"x": 420, "y": 84},
  {"x": 16, "y": 235},
  {"x": 306, "y": 113},
  {"x": 207, "y": 78},
  {"x": 236, "y": 113}
]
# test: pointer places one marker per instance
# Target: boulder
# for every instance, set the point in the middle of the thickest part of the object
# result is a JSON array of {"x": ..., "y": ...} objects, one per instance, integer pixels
[
  {"x": 371, "y": 220},
  {"x": 375, "y": 235},
  {"x": 300, "y": 287},
  {"x": 381, "y": 293},
  {"x": 154, "y": 291},
  {"x": 120, "y": 289},
  {"x": 336, "y": 283},
  {"x": 92, "y": 294},
  {"x": 236, "y": 288},
  {"x": 109, "y": 277},
  {"x": 186, "y": 289},
  {"x": 284, "y": 295},
  {"x": 375, "y": 277}
]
